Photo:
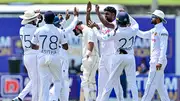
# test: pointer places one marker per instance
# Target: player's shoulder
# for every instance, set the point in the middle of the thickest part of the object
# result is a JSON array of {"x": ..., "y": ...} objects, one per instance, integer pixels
[
  {"x": 164, "y": 32},
  {"x": 39, "y": 29},
  {"x": 21, "y": 29}
]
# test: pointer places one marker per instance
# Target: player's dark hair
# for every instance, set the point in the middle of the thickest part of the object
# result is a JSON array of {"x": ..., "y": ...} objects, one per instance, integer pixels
[
  {"x": 161, "y": 20},
  {"x": 110, "y": 9},
  {"x": 79, "y": 23}
]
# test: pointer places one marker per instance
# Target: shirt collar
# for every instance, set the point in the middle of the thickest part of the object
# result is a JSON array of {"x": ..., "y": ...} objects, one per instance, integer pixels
[
  {"x": 158, "y": 25},
  {"x": 29, "y": 25}
]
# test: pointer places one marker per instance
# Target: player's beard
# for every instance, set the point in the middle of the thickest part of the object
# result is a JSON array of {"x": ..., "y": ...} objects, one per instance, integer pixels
[
  {"x": 153, "y": 21},
  {"x": 108, "y": 19}
]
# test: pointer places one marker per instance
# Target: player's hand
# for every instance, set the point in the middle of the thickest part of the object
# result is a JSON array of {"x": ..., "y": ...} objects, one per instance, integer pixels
[
  {"x": 89, "y": 7},
  {"x": 97, "y": 8},
  {"x": 92, "y": 24},
  {"x": 37, "y": 11},
  {"x": 39, "y": 17},
  {"x": 158, "y": 66},
  {"x": 76, "y": 12},
  {"x": 67, "y": 14}
]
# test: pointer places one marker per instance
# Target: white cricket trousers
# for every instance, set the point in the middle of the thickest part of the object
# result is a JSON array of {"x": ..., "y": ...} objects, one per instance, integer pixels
[
  {"x": 64, "y": 92},
  {"x": 120, "y": 62},
  {"x": 49, "y": 67},
  {"x": 88, "y": 83},
  {"x": 30, "y": 62},
  {"x": 156, "y": 81},
  {"x": 103, "y": 75}
]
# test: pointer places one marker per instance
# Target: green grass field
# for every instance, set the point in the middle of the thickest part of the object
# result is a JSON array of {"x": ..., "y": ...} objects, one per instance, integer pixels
[{"x": 127, "y": 2}]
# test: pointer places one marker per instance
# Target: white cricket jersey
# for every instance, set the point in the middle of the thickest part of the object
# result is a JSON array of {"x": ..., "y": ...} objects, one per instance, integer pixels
[
  {"x": 159, "y": 41},
  {"x": 48, "y": 38},
  {"x": 86, "y": 38},
  {"x": 123, "y": 38},
  {"x": 106, "y": 47},
  {"x": 26, "y": 35}
]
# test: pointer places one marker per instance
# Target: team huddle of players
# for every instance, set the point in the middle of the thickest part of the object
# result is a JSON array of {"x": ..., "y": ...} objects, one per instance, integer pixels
[{"x": 46, "y": 58}]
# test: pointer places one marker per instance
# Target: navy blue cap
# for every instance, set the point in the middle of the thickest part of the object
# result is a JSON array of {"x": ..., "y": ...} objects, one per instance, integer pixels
[
  {"x": 122, "y": 18},
  {"x": 49, "y": 16}
]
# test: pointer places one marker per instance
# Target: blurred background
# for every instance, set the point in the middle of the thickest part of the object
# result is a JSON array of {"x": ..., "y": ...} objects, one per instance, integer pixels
[{"x": 13, "y": 75}]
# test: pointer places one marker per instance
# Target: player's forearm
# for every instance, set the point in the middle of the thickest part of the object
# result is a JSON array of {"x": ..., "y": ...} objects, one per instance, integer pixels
[
  {"x": 88, "y": 18},
  {"x": 146, "y": 34},
  {"x": 105, "y": 22},
  {"x": 72, "y": 25}
]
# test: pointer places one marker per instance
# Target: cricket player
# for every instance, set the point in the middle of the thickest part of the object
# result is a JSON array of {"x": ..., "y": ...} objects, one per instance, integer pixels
[
  {"x": 123, "y": 58},
  {"x": 64, "y": 94},
  {"x": 90, "y": 60},
  {"x": 47, "y": 39},
  {"x": 159, "y": 42},
  {"x": 30, "y": 56},
  {"x": 106, "y": 49}
]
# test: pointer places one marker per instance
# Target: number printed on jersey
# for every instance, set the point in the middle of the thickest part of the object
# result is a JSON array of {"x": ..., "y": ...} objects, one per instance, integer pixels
[
  {"x": 126, "y": 43},
  {"x": 26, "y": 41},
  {"x": 49, "y": 44}
]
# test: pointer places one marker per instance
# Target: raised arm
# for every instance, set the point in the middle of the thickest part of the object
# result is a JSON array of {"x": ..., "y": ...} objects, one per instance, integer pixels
[
  {"x": 88, "y": 12},
  {"x": 103, "y": 20},
  {"x": 66, "y": 18},
  {"x": 74, "y": 22}
]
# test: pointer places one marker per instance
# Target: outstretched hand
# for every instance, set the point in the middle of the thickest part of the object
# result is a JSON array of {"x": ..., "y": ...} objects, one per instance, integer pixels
[
  {"x": 92, "y": 24},
  {"x": 89, "y": 7},
  {"x": 67, "y": 14},
  {"x": 76, "y": 12},
  {"x": 97, "y": 8}
]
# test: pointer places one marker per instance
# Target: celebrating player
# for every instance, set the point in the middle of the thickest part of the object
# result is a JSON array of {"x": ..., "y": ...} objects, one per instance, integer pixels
[
  {"x": 64, "y": 94},
  {"x": 106, "y": 48},
  {"x": 123, "y": 58},
  {"x": 46, "y": 39},
  {"x": 30, "y": 56}
]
